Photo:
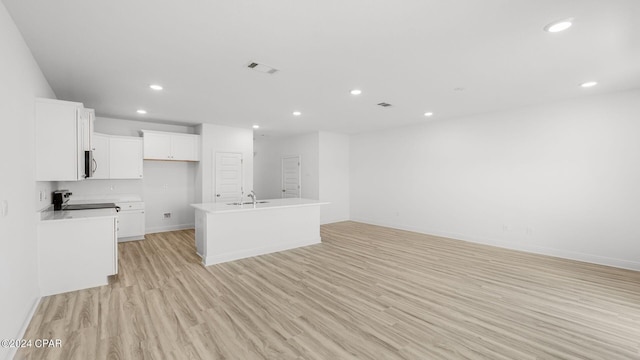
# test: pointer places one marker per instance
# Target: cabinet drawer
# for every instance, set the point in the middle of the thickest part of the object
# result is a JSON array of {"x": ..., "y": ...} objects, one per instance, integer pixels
[{"x": 124, "y": 206}]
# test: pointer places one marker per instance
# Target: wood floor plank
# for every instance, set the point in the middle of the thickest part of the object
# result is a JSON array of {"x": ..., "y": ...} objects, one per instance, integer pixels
[{"x": 365, "y": 292}]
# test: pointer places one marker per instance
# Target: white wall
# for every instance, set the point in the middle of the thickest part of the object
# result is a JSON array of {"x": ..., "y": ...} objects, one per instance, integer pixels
[
  {"x": 334, "y": 176},
  {"x": 267, "y": 166},
  {"x": 167, "y": 186},
  {"x": 324, "y": 159},
  {"x": 132, "y": 127},
  {"x": 560, "y": 179},
  {"x": 216, "y": 138},
  {"x": 268, "y": 157},
  {"x": 22, "y": 81}
]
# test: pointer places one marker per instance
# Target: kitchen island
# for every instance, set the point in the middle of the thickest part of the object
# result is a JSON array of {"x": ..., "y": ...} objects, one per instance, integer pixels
[{"x": 227, "y": 232}]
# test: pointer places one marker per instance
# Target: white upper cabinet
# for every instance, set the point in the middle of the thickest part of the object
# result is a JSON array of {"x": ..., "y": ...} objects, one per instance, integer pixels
[
  {"x": 184, "y": 147},
  {"x": 157, "y": 146},
  {"x": 117, "y": 157},
  {"x": 160, "y": 145},
  {"x": 100, "y": 156},
  {"x": 125, "y": 158},
  {"x": 63, "y": 129}
]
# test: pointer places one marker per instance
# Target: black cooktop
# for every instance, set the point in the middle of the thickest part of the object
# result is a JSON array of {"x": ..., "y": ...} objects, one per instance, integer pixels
[{"x": 90, "y": 206}]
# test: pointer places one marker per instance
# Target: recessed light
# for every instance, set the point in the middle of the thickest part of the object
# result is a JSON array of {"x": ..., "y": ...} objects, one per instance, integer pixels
[
  {"x": 428, "y": 114},
  {"x": 156, "y": 87},
  {"x": 141, "y": 111},
  {"x": 558, "y": 26},
  {"x": 256, "y": 126},
  {"x": 297, "y": 113},
  {"x": 589, "y": 84},
  {"x": 356, "y": 92}
]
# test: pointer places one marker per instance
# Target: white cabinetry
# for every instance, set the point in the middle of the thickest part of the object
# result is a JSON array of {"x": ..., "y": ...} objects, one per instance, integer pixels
[
  {"x": 63, "y": 134},
  {"x": 130, "y": 221},
  {"x": 157, "y": 146},
  {"x": 160, "y": 145},
  {"x": 117, "y": 157},
  {"x": 76, "y": 254},
  {"x": 125, "y": 161},
  {"x": 100, "y": 156}
]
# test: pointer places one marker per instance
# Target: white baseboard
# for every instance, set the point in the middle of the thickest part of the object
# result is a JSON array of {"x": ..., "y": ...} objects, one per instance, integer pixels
[
  {"x": 130, "y": 238},
  {"x": 12, "y": 351},
  {"x": 169, "y": 228},
  {"x": 332, "y": 221},
  {"x": 560, "y": 253},
  {"x": 237, "y": 255}
]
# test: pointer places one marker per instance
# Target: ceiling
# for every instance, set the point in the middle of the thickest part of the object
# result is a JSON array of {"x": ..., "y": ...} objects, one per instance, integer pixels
[{"x": 409, "y": 53}]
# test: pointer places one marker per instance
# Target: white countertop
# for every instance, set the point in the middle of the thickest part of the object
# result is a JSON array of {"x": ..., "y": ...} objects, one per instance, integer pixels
[
  {"x": 217, "y": 208},
  {"x": 47, "y": 215}
]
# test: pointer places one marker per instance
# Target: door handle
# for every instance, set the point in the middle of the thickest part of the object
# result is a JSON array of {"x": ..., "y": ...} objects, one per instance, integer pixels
[
  {"x": 283, "y": 190},
  {"x": 95, "y": 165},
  {"x": 217, "y": 195}
]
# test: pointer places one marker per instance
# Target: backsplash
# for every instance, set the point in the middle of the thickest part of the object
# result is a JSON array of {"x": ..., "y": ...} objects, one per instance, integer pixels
[{"x": 43, "y": 193}]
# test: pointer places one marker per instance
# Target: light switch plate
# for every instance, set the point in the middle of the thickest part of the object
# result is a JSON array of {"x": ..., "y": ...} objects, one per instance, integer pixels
[{"x": 4, "y": 208}]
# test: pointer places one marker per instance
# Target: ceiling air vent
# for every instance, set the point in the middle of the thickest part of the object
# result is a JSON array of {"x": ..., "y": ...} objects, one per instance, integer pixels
[
  {"x": 384, "y": 104},
  {"x": 262, "y": 68}
]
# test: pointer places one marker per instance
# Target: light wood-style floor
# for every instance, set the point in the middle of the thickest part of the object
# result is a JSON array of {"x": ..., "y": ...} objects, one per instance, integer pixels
[{"x": 366, "y": 292}]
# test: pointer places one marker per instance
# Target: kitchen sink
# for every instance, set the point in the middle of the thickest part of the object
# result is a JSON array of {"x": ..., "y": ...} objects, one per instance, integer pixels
[{"x": 248, "y": 203}]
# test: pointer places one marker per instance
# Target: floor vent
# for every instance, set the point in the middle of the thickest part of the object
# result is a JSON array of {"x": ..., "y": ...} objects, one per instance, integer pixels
[{"x": 384, "y": 104}]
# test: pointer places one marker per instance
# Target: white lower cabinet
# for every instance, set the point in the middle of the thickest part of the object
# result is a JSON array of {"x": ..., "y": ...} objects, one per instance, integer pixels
[
  {"x": 131, "y": 221},
  {"x": 75, "y": 254}
]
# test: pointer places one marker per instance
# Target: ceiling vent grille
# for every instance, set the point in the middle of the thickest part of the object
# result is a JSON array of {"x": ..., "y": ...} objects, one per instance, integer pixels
[
  {"x": 384, "y": 104},
  {"x": 262, "y": 68}
]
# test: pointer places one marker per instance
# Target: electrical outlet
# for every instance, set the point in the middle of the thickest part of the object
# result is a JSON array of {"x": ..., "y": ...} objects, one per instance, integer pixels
[{"x": 166, "y": 215}]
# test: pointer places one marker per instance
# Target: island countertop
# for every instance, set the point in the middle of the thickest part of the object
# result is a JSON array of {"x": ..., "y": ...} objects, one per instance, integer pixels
[{"x": 217, "y": 208}]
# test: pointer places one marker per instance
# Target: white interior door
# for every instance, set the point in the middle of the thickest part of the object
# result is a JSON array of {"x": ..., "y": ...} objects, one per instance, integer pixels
[
  {"x": 291, "y": 177},
  {"x": 228, "y": 177}
]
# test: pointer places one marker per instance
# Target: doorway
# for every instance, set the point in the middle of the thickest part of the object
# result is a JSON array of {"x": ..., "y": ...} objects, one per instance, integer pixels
[
  {"x": 228, "y": 177},
  {"x": 291, "y": 177}
]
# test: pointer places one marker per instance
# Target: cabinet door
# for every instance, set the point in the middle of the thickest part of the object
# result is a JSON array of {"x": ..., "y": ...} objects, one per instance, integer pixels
[
  {"x": 157, "y": 146},
  {"x": 88, "y": 118},
  {"x": 125, "y": 158},
  {"x": 76, "y": 254},
  {"x": 184, "y": 147},
  {"x": 100, "y": 156},
  {"x": 130, "y": 223},
  {"x": 59, "y": 152}
]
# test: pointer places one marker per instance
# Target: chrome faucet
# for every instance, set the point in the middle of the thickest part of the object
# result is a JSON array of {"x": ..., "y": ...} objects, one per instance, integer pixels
[{"x": 253, "y": 197}]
